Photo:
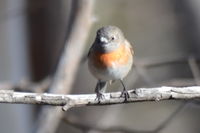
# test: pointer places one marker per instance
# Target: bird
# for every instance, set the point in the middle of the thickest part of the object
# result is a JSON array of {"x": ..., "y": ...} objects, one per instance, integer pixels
[{"x": 110, "y": 58}]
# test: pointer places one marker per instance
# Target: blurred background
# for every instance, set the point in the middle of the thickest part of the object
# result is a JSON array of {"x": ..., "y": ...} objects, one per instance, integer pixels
[{"x": 165, "y": 37}]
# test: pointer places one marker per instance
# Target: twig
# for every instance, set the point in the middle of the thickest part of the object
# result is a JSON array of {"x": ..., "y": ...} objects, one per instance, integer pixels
[
  {"x": 137, "y": 95},
  {"x": 78, "y": 30}
]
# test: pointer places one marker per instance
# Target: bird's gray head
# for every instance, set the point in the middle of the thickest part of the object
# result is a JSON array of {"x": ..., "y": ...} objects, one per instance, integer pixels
[{"x": 109, "y": 38}]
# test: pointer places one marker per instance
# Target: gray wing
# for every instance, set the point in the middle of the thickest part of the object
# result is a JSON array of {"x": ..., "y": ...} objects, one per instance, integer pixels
[
  {"x": 127, "y": 43},
  {"x": 90, "y": 50}
]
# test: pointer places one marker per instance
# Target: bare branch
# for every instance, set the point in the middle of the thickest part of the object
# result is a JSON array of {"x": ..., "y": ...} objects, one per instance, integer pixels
[
  {"x": 78, "y": 30},
  {"x": 137, "y": 95}
]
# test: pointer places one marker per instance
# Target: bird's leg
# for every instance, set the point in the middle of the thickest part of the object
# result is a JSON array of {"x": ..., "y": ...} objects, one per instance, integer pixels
[
  {"x": 124, "y": 92},
  {"x": 100, "y": 89}
]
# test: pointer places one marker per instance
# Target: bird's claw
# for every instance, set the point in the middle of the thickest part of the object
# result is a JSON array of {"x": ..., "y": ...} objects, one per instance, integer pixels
[
  {"x": 125, "y": 94},
  {"x": 99, "y": 97}
]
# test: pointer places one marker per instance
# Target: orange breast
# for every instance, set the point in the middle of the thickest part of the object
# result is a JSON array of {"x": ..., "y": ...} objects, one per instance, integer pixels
[{"x": 119, "y": 57}]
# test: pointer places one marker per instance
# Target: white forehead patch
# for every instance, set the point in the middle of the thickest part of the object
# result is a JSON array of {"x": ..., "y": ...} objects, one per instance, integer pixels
[{"x": 103, "y": 39}]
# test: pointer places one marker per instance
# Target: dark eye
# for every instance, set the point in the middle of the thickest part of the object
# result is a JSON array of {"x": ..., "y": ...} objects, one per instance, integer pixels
[{"x": 113, "y": 38}]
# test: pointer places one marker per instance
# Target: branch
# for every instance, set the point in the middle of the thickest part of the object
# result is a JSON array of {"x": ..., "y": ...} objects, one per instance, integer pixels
[
  {"x": 78, "y": 30},
  {"x": 69, "y": 101}
]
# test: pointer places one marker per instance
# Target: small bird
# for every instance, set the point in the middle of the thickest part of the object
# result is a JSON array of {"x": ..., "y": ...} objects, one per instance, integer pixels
[{"x": 110, "y": 58}]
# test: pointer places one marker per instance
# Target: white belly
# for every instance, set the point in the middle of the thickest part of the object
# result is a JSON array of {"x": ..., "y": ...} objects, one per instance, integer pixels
[{"x": 112, "y": 73}]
